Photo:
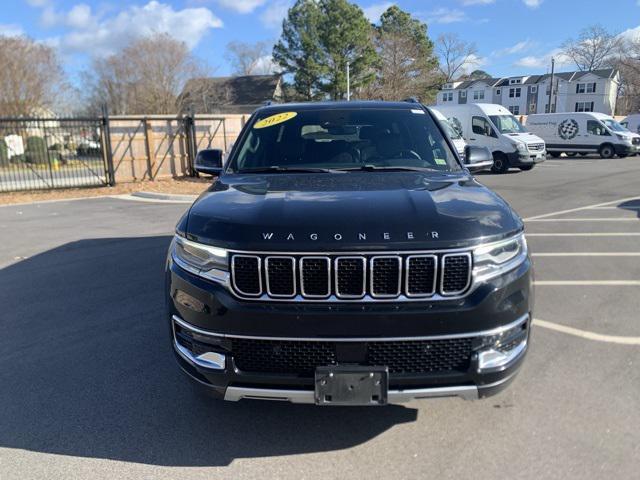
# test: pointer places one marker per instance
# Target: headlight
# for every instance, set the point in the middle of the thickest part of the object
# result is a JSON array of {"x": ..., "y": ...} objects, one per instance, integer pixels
[
  {"x": 520, "y": 147},
  {"x": 497, "y": 258},
  {"x": 200, "y": 259}
]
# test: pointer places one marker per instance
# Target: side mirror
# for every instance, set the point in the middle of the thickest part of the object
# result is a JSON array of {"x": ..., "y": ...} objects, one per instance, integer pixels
[
  {"x": 477, "y": 158},
  {"x": 209, "y": 161}
]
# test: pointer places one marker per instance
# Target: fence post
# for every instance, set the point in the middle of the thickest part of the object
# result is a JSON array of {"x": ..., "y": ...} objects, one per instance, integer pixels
[
  {"x": 107, "y": 154},
  {"x": 147, "y": 147},
  {"x": 190, "y": 135}
]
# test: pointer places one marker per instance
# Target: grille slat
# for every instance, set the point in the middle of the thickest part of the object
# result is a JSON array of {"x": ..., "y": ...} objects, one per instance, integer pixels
[
  {"x": 421, "y": 275},
  {"x": 386, "y": 276},
  {"x": 401, "y": 357},
  {"x": 455, "y": 273},
  {"x": 247, "y": 277},
  {"x": 351, "y": 277},
  {"x": 281, "y": 276}
]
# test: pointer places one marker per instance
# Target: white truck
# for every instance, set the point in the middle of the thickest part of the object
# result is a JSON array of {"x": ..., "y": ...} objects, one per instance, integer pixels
[
  {"x": 452, "y": 133},
  {"x": 583, "y": 132},
  {"x": 494, "y": 127}
]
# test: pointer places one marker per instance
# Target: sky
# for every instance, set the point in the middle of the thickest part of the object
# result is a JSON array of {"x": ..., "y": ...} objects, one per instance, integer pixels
[{"x": 513, "y": 37}]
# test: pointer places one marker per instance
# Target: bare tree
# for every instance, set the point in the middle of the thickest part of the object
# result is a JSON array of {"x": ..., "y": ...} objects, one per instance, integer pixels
[
  {"x": 594, "y": 48},
  {"x": 146, "y": 77},
  {"x": 30, "y": 76},
  {"x": 455, "y": 55},
  {"x": 250, "y": 58},
  {"x": 628, "y": 64}
]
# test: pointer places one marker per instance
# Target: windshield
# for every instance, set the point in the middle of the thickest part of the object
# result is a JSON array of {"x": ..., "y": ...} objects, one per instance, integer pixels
[
  {"x": 507, "y": 124},
  {"x": 613, "y": 125},
  {"x": 345, "y": 138}
]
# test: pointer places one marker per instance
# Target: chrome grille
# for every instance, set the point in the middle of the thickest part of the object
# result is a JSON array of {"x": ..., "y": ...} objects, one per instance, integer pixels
[
  {"x": 536, "y": 147},
  {"x": 351, "y": 277}
]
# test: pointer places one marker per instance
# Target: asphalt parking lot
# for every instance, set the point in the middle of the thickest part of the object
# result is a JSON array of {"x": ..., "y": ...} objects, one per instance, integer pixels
[{"x": 89, "y": 387}]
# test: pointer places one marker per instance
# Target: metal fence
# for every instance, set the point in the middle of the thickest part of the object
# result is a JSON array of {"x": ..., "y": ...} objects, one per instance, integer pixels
[
  {"x": 42, "y": 153},
  {"x": 49, "y": 153}
]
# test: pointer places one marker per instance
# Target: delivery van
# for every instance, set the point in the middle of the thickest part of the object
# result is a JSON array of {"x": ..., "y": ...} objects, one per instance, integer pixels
[
  {"x": 583, "y": 133},
  {"x": 451, "y": 132},
  {"x": 494, "y": 127}
]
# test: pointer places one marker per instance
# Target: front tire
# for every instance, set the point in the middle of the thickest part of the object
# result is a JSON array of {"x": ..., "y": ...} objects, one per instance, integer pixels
[
  {"x": 500, "y": 163},
  {"x": 607, "y": 151}
]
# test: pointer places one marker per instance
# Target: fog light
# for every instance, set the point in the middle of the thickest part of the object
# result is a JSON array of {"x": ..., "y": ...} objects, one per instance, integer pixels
[
  {"x": 496, "y": 352},
  {"x": 189, "y": 302}
]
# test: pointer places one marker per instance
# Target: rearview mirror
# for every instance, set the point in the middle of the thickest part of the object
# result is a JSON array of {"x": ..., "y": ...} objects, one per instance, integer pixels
[
  {"x": 209, "y": 161},
  {"x": 477, "y": 158}
]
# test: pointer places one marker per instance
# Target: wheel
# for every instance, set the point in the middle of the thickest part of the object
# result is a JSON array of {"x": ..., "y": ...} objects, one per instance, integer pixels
[
  {"x": 500, "y": 163},
  {"x": 555, "y": 154},
  {"x": 526, "y": 168},
  {"x": 570, "y": 154},
  {"x": 607, "y": 151}
]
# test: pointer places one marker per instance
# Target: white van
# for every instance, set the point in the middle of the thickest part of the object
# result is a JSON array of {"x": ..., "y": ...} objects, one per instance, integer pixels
[
  {"x": 583, "y": 132},
  {"x": 453, "y": 134},
  {"x": 494, "y": 127},
  {"x": 632, "y": 123}
]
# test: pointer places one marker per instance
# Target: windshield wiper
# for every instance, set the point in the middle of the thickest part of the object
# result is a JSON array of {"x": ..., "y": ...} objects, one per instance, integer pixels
[
  {"x": 375, "y": 168},
  {"x": 277, "y": 169}
]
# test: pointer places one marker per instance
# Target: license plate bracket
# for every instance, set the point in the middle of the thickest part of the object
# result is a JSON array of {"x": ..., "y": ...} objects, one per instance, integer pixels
[{"x": 351, "y": 385}]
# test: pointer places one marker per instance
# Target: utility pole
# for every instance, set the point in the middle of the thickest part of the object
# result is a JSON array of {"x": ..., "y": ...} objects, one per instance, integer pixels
[
  {"x": 348, "y": 82},
  {"x": 553, "y": 64}
]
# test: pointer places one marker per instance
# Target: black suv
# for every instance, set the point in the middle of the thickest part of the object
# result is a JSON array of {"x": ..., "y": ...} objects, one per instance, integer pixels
[{"x": 346, "y": 256}]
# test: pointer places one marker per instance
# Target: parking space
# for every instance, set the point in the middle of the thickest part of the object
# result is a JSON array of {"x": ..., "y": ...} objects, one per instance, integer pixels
[{"x": 90, "y": 388}]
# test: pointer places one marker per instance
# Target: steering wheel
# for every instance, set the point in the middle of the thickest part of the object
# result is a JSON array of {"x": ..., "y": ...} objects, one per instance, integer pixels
[{"x": 408, "y": 154}]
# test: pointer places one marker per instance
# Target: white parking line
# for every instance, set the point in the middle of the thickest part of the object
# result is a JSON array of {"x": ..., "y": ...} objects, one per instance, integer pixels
[
  {"x": 598, "y": 337},
  {"x": 586, "y": 207},
  {"x": 616, "y": 208},
  {"x": 616, "y": 219},
  {"x": 586, "y": 254},
  {"x": 588, "y": 234},
  {"x": 583, "y": 283}
]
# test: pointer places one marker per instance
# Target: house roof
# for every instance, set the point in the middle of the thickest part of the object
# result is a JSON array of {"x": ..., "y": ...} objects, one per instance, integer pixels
[
  {"x": 533, "y": 79},
  {"x": 242, "y": 90}
]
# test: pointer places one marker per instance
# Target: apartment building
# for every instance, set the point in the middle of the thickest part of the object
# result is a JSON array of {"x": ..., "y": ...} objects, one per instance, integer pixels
[{"x": 594, "y": 91}]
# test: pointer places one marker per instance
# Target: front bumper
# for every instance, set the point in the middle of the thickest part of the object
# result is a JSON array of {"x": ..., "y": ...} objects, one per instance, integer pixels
[
  {"x": 498, "y": 305},
  {"x": 517, "y": 159},
  {"x": 624, "y": 149}
]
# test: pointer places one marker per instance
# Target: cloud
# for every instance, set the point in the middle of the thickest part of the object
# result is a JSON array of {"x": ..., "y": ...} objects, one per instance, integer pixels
[
  {"x": 99, "y": 36},
  {"x": 275, "y": 13},
  {"x": 632, "y": 34},
  {"x": 517, "y": 48},
  {"x": 446, "y": 15},
  {"x": 533, "y": 3},
  {"x": 38, "y": 3},
  {"x": 11, "y": 30},
  {"x": 473, "y": 62},
  {"x": 241, "y": 6},
  {"x": 373, "y": 12},
  {"x": 544, "y": 61},
  {"x": 479, "y": 2}
]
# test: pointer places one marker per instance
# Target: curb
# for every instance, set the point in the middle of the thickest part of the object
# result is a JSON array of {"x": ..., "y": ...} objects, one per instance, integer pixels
[{"x": 165, "y": 196}]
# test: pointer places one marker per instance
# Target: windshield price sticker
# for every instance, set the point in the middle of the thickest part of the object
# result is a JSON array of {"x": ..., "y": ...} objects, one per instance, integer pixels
[{"x": 274, "y": 119}]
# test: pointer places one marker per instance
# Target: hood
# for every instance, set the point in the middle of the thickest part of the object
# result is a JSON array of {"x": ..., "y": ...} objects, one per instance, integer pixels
[
  {"x": 340, "y": 212},
  {"x": 525, "y": 138}
]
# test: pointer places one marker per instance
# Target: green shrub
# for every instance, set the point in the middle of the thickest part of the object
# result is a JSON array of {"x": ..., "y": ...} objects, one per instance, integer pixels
[
  {"x": 57, "y": 147},
  {"x": 36, "y": 151},
  {"x": 4, "y": 154},
  {"x": 18, "y": 159}
]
